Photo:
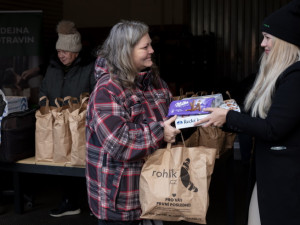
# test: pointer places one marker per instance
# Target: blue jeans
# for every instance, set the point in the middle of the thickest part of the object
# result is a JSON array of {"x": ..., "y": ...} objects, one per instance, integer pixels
[{"x": 112, "y": 222}]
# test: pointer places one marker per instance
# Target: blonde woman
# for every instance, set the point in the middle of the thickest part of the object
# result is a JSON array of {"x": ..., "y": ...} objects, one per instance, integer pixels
[{"x": 273, "y": 119}]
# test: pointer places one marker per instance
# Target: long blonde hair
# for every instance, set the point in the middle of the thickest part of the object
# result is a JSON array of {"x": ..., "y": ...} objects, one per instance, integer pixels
[{"x": 282, "y": 55}]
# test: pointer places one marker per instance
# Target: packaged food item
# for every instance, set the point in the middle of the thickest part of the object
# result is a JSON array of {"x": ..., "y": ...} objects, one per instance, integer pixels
[
  {"x": 185, "y": 120},
  {"x": 218, "y": 99},
  {"x": 231, "y": 105},
  {"x": 188, "y": 121},
  {"x": 190, "y": 106}
]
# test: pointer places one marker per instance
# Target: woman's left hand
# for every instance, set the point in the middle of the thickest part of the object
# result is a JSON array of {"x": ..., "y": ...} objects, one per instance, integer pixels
[
  {"x": 216, "y": 118},
  {"x": 170, "y": 132}
]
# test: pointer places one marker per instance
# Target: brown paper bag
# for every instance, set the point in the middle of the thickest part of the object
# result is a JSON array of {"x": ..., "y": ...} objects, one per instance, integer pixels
[
  {"x": 229, "y": 141},
  {"x": 230, "y": 104},
  {"x": 74, "y": 103},
  {"x": 211, "y": 137},
  {"x": 77, "y": 128},
  {"x": 61, "y": 132},
  {"x": 43, "y": 133},
  {"x": 182, "y": 95},
  {"x": 174, "y": 184}
]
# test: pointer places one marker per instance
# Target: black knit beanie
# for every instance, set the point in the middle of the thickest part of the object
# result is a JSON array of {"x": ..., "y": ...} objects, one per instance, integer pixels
[{"x": 285, "y": 23}]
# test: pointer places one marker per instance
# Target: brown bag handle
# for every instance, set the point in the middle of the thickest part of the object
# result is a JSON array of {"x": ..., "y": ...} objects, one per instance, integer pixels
[
  {"x": 47, "y": 100},
  {"x": 83, "y": 104},
  {"x": 203, "y": 93},
  {"x": 84, "y": 95},
  {"x": 181, "y": 91},
  {"x": 57, "y": 100},
  {"x": 47, "y": 108},
  {"x": 189, "y": 94},
  {"x": 71, "y": 100},
  {"x": 169, "y": 145},
  {"x": 227, "y": 92}
]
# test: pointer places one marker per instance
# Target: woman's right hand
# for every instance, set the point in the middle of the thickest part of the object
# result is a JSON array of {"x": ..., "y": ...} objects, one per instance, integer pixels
[
  {"x": 217, "y": 117},
  {"x": 170, "y": 132}
]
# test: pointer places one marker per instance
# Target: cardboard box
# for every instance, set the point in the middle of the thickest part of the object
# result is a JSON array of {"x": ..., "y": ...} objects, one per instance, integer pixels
[
  {"x": 16, "y": 104},
  {"x": 13, "y": 104}
]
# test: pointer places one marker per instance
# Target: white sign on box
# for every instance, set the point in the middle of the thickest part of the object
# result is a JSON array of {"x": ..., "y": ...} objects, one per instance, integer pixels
[
  {"x": 188, "y": 121},
  {"x": 13, "y": 104},
  {"x": 16, "y": 104}
]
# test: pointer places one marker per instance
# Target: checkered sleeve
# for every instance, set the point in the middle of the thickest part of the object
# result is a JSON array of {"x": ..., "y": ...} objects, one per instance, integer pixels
[{"x": 122, "y": 138}]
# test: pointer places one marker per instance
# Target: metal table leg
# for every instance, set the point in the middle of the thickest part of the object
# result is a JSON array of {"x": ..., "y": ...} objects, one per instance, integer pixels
[{"x": 18, "y": 197}]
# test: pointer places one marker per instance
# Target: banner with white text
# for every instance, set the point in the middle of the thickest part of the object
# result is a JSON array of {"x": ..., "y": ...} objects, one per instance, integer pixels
[{"x": 20, "y": 53}]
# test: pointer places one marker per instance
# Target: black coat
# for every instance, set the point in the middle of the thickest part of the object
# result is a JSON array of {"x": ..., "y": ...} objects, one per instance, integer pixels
[
  {"x": 277, "y": 151},
  {"x": 78, "y": 79}
]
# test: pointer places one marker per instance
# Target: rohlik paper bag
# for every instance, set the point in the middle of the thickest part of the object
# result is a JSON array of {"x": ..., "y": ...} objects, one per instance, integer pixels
[{"x": 174, "y": 184}]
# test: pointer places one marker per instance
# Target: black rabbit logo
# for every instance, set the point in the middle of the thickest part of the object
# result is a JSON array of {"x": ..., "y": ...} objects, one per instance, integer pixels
[{"x": 185, "y": 176}]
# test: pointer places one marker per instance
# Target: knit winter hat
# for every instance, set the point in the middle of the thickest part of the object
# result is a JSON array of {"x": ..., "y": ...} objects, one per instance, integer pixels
[
  {"x": 69, "y": 38},
  {"x": 285, "y": 23}
]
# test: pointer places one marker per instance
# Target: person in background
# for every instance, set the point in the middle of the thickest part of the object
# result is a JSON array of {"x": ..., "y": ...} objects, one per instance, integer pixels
[
  {"x": 274, "y": 108},
  {"x": 126, "y": 121},
  {"x": 70, "y": 73}
]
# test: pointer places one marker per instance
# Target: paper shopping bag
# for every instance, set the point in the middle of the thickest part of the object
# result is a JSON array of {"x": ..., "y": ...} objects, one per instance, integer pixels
[
  {"x": 211, "y": 137},
  {"x": 61, "y": 132},
  {"x": 182, "y": 95},
  {"x": 44, "y": 133},
  {"x": 77, "y": 128},
  {"x": 229, "y": 142},
  {"x": 174, "y": 184}
]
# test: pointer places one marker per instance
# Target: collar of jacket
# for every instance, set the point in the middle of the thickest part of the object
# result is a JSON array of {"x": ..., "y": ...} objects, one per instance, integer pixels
[{"x": 144, "y": 78}]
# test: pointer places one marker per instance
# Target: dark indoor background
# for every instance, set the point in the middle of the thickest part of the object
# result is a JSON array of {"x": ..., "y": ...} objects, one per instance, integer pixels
[{"x": 200, "y": 45}]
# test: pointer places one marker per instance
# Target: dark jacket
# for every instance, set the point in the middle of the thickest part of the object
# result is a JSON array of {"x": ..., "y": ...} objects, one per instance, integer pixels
[
  {"x": 78, "y": 79},
  {"x": 277, "y": 151}
]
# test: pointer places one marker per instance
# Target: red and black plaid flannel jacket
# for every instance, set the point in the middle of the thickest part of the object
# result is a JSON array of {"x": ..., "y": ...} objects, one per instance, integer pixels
[{"x": 122, "y": 128}]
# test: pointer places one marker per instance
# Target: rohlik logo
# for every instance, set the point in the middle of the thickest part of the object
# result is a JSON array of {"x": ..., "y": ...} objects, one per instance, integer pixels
[
  {"x": 165, "y": 174},
  {"x": 185, "y": 176}
]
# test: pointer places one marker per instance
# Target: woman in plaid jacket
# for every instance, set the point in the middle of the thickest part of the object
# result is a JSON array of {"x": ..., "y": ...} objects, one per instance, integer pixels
[{"x": 126, "y": 121}]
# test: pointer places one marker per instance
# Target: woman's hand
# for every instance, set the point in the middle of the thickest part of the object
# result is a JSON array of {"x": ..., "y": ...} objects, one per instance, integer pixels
[
  {"x": 170, "y": 132},
  {"x": 216, "y": 118}
]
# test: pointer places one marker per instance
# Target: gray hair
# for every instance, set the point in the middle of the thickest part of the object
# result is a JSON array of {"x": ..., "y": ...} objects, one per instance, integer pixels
[{"x": 117, "y": 50}]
